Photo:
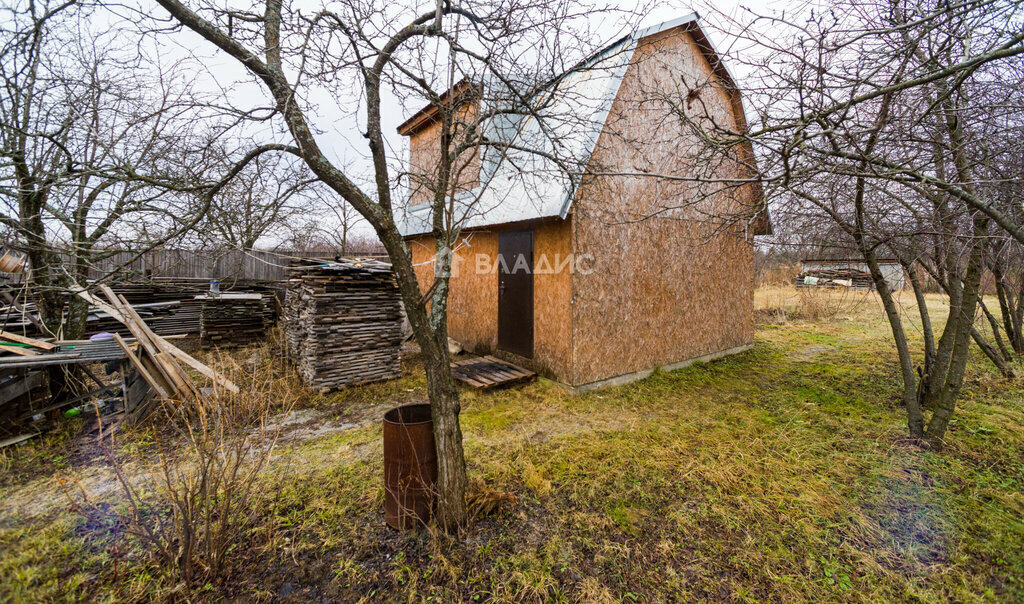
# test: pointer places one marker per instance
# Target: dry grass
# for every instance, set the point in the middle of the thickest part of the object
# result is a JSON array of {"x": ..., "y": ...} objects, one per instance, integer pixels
[
  {"x": 787, "y": 303},
  {"x": 779, "y": 474},
  {"x": 777, "y": 275}
]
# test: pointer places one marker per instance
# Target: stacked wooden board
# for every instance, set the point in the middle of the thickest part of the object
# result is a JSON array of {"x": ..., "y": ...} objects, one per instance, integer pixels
[
  {"x": 229, "y": 319},
  {"x": 186, "y": 317},
  {"x": 343, "y": 322},
  {"x": 169, "y": 306}
]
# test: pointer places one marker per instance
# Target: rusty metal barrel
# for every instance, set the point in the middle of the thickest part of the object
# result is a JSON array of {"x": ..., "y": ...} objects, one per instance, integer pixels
[{"x": 410, "y": 466}]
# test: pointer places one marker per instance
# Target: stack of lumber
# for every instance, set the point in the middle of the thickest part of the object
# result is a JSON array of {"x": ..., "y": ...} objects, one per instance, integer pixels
[
  {"x": 343, "y": 322},
  {"x": 169, "y": 307},
  {"x": 24, "y": 318},
  {"x": 187, "y": 316},
  {"x": 833, "y": 277},
  {"x": 157, "y": 360},
  {"x": 230, "y": 319}
]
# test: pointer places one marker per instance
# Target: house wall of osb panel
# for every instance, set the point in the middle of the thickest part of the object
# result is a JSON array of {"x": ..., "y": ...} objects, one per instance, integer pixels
[
  {"x": 675, "y": 286},
  {"x": 473, "y": 296},
  {"x": 424, "y": 154}
]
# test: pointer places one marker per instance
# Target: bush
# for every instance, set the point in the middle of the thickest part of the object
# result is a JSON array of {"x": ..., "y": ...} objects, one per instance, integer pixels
[{"x": 204, "y": 494}]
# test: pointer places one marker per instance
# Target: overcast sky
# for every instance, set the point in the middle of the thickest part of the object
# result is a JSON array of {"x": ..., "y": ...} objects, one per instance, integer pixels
[{"x": 339, "y": 131}]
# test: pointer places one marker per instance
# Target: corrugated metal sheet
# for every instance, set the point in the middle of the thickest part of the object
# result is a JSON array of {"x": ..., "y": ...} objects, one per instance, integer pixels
[{"x": 541, "y": 182}]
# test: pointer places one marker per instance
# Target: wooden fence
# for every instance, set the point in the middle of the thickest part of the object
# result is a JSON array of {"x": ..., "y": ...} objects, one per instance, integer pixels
[{"x": 202, "y": 264}]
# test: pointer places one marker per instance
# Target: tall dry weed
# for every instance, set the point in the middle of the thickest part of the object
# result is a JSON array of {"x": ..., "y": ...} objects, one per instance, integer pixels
[
  {"x": 779, "y": 305},
  {"x": 196, "y": 506}
]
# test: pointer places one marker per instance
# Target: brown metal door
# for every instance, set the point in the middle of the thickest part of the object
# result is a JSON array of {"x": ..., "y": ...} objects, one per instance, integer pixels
[{"x": 515, "y": 292}]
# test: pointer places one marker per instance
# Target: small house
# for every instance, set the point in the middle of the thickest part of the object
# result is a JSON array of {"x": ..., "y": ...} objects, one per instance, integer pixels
[{"x": 599, "y": 280}]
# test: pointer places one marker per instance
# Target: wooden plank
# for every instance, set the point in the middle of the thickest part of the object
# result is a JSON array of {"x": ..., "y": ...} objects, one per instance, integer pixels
[
  {"x": 172, "y": 371},
  {"x": 91, "y": 299},
  {"x": 16, "y": 439},
  {"x": 13, "y": 337},
  {"x": 462, "y": 377},
  {"x": 183, "y": 356},
  {"x": 18, "y": 350},
  {"x": 164, "y": 356},
  {"x": 143, "y": 371}
]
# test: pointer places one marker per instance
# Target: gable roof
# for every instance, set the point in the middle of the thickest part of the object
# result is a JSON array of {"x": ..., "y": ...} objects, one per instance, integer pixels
[
  {"x": 518, "y": 185},
  {"x": 426, "y": 116}
]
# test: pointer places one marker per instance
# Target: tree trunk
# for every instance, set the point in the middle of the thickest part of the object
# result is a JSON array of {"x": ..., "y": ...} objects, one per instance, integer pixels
[
  {"x": 78, "y": 308},
  {"x": 431, "y": 332},
  {"x": 945, "y": 397},
  {"x": 926, "y": 320},
  {"x": 915, "y": 417},
  {"x": 451, "y": 464}
]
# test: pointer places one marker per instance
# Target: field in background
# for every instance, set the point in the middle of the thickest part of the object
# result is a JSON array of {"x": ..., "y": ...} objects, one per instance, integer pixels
[{"x": 781, "y": 473}]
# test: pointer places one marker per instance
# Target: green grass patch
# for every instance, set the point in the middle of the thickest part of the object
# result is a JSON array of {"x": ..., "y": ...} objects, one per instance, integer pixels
[{"x": 777, "y": 474}]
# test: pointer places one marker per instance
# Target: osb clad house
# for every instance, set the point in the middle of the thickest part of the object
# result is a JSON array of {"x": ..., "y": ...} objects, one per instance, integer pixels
[{"x": 599, "y": 280}]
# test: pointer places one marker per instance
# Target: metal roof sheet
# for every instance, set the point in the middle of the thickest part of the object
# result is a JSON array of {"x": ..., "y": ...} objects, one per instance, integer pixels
[{"x": 561, "y": 137}]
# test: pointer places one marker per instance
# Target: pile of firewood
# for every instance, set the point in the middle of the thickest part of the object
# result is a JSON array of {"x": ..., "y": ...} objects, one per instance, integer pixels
[
  {"x": 230, "y": 319},
  {"x": 343, "y": 322}
]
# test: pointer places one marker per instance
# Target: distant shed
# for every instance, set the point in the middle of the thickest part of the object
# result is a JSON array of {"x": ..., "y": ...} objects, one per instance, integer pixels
[{"x": 853, "y": 269}]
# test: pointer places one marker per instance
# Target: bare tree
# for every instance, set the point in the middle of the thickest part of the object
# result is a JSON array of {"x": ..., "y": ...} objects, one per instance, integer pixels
[
  {"x": 93, "y": 142},
  {"x": 259, "y": 202},
  {"x": 326, "y": 223},
  {"x": 875, "y": 119},
  {"x": 362, "y": 52},
  {"x": 345, "y": 218}
]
